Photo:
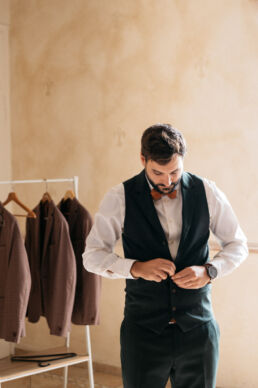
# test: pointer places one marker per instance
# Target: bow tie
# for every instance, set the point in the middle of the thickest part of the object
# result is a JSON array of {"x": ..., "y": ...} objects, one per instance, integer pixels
[{"x": 157, "y": 195}]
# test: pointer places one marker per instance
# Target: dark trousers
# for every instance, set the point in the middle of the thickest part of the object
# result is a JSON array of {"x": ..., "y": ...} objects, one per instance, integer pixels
[{"x": 189, "y": 359}]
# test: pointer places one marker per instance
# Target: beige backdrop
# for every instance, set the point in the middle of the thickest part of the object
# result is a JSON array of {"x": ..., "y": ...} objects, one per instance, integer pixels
[
  {"x": 88, "y": 76},
  {"x": 5, "y": 140}
]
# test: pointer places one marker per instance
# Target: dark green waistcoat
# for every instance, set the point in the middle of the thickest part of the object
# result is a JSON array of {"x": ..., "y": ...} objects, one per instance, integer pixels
[{"x": 153, "y": 304}]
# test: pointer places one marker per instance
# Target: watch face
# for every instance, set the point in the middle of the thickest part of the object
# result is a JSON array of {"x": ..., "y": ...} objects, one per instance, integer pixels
[{"x": 212, "y": 271}]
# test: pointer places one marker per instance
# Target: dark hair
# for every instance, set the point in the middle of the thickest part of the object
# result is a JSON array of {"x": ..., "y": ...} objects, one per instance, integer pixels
[{"x": 160, "y": 142}]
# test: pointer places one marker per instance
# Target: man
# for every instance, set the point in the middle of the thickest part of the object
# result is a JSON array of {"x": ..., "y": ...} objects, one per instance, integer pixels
[{"x": 164, "y": 216}]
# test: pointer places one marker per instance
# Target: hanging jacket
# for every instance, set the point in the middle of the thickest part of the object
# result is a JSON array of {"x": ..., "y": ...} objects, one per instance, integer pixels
[
  {"x": 53, "y": 268},
  {"x": 15, "y": 279},
  {"x": 88, "y": 285}
]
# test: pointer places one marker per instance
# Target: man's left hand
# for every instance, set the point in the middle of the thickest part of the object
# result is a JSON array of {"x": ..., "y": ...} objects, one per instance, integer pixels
[{"x": 191, "y": 277}]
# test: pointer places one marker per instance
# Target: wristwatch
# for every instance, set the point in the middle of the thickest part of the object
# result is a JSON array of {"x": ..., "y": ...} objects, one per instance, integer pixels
[{"x": 211, "y": 271}]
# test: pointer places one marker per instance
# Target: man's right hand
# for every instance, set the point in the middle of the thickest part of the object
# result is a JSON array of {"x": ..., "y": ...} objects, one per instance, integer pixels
[{"x": 156, "y": 269}]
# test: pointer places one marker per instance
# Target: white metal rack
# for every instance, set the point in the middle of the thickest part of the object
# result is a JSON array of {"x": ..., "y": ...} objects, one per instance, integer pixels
[{"x": 9, "y": 371}]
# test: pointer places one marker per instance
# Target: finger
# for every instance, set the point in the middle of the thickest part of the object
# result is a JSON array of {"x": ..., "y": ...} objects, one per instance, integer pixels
[
  {"x": 168, "y": 269},
  {"x": 183, "y": 281},
  {"x": 162, "y": 274},
  {"x": 183, "y": 276},
  {"x": 164, "y": 267},
  {"x": 186, "y": 285},
  {"x": 157, "y": 278},
  {"x": 173, "y": 265},
  {"x": 168, "y": 262},
  {"x": 185, "y": 272}
]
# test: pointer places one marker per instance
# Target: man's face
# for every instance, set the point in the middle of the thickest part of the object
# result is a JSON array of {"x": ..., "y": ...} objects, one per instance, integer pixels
[{"x": 165, "y": 176}]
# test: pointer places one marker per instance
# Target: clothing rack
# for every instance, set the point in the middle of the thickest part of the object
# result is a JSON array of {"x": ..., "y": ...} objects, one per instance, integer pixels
[{"x": 10, "y": 372}]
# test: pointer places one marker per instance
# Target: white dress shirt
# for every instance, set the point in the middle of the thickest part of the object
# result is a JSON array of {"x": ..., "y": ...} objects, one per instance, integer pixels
[{"x": 100, "y": 258}]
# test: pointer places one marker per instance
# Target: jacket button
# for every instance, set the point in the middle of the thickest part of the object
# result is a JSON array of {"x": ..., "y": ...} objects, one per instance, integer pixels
[
  {"x": 173, "y": 290},
  {"x": 173, "y": 308}
]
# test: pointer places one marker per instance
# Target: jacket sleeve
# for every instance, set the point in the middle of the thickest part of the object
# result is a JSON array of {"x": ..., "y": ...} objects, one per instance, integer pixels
[
  {"x": 28, "y": 239},
  {"x": 88, "y": 289},
  {"x": 17, "y": 290},
  {"x": 63, "y": 283}
]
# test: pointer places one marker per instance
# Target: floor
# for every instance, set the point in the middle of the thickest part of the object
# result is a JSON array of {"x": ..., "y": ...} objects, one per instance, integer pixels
[{"x": 77, "y": 378}]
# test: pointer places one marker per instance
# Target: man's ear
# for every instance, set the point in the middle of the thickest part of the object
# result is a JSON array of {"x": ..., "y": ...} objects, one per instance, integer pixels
[{"x": 143, "y": 160}]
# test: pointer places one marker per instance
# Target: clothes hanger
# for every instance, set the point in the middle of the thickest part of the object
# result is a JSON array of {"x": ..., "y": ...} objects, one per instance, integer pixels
[
  {"x": 13, "y": 197},
  {"x": 69, "y": 195},
  {"x": 46, "y": 196}
]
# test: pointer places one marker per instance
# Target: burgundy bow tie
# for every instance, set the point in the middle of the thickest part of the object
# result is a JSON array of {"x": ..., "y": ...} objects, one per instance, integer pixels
[{"x": 157, "y": 195}]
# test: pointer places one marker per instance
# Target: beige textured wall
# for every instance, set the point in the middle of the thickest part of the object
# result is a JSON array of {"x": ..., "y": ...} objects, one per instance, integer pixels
[
  {"x": 88, "y": 76},
  {"x": 5, "y": 132},
  {"x": 4, "y": 12},
  {"x": 5, "y": 143}
]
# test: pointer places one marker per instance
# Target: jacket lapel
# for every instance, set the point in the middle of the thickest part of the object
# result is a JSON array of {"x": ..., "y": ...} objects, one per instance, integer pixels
[
  {"x": 2, "y": 225},
  {"x": 35, "y": 240},
  {"x": 69, "y": 209},
  {"x": 49, "y": 215}
]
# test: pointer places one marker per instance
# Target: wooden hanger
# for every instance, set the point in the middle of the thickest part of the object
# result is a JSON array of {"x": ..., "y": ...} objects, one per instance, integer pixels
[
  {"x": 13, "y": 197},
  {"x": 46, "y": 197},
  {"x": 69, "y": 195}
]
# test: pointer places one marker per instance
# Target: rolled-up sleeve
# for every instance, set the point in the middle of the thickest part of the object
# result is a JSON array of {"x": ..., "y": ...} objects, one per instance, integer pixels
[
  {"x": 99, "y": 256},
  {"x": 226, "y": 228}
]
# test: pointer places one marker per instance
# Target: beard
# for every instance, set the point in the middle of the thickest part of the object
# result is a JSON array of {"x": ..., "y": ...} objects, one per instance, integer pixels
[{"x": 158, "y": 187}]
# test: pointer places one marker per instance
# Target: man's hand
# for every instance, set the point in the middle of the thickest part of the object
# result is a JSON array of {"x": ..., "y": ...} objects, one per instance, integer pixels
[
  {"x": 192, "y": 277},
  {"x": 156, "y": 269}
]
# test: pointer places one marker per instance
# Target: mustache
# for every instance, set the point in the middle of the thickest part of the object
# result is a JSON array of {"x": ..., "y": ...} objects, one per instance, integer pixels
[
  {"x": 168, "y": 187},
  {"x": 160, "y": 186}
]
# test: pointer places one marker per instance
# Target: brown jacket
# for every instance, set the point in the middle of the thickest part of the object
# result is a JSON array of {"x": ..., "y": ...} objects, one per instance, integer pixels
[
  {"x": 15, "y": 280},
  {"x": 88, "y": 285},
  {"x": 53, "y": 268}
]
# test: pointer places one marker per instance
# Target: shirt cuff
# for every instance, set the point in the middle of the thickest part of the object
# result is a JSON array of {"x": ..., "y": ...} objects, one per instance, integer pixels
[{"x": 122, "y": 268}]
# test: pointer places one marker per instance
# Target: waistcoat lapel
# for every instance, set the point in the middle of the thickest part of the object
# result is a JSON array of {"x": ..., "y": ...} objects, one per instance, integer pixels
[
  {"x": 187, "y": 189},
  {"x": 145, "y": 202}
]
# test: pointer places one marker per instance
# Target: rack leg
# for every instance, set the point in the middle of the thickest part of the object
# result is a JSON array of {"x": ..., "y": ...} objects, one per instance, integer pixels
[
  {"x": 65, "y": 376},
  {"x": 12, "y": 348},
  {"x": 91, "y": 377},
  {"x": 67, "y": 344}
]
